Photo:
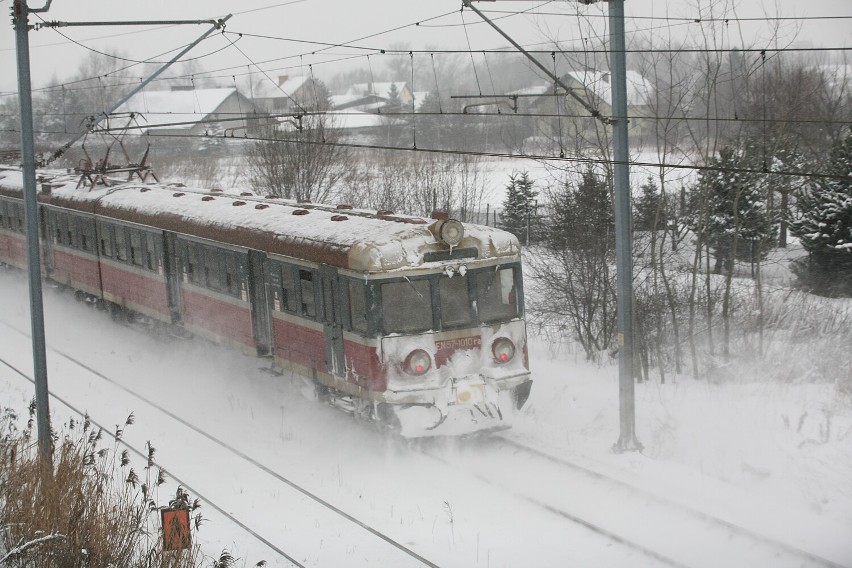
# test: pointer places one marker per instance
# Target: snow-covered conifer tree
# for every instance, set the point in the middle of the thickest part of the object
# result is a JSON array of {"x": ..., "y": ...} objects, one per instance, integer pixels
[
  {"x": 519, "y": 212},
  {"x": 823, "y": 222},
  {"x": 730, "y": 209}
]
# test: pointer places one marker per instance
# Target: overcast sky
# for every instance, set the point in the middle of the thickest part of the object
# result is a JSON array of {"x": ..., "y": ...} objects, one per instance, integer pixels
[{"x": 55, "y": 58}]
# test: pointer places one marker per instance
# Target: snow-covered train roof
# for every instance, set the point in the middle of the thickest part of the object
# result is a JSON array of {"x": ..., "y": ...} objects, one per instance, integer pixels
[{"x": 360, "y": 240}]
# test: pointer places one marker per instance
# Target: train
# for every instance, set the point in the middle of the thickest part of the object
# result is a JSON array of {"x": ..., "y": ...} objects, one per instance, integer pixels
[{"x": 414, "y": 323}]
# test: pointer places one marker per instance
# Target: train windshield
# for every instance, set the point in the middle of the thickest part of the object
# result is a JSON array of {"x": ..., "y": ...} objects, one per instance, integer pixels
[
  {"x": 484, "y": 296},
  {"x": 498, "y": 299},
  {"x": 455, "y": 301},
  {"x": 407, "y": 306}
]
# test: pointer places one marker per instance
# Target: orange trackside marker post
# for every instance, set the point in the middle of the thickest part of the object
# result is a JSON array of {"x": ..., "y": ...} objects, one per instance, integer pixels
[{"x": 176, "y": 534}]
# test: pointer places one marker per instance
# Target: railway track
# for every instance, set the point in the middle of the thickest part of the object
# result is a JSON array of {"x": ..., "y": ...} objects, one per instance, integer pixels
[
  {"x": 793, "y": 551},
  {"x": 710, "y": 537},
  {"x": 351, "y": 519}
]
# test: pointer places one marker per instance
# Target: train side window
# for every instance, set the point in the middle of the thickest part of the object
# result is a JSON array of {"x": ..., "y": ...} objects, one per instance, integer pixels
[
  {"x": 358, "y": 305},
  {"x": 192, "y": 268},
  {"x": 284, "y": 287},
  {"x": 136, "y": 256},
  {"x": 273, "y": 275},
  {"x": 288, "y": 289},
  {"x": 497, "y": 297},
  {"x": 4, "y": 219},
  {"x": 232, "y": 276},
  {"x": 407, "y": 306},
  {"x": 455, "y": 301},
  {"x": 10, "y": 216},
  {"x": 212, "y": 272},
  {"x": 50, "y": 217},
  {"x": 105, "y": 232},
  {"x": 152, "y": 253},
  {"x": 72, "y": 230},
  {"x": 61, "y": 228},
  {"x": 19, "y": 218},
  {"x": 306, "y": 285},
  {"x": 120, "y": 244},
  {"x": 87, "y": 235}
]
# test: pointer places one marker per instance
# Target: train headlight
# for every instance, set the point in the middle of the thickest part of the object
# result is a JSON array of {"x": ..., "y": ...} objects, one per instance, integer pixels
[
  {"x": 503, "y": 350},
  {"x": 451, "y": 232},
  {"x": 418, "y": 362}
]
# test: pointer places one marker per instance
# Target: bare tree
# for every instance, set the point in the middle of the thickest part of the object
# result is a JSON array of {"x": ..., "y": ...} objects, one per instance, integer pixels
[
  {"x": 574, "y": 272},
  {"x": 418, "y": 183},
  {"x": 304, "y": 164}
]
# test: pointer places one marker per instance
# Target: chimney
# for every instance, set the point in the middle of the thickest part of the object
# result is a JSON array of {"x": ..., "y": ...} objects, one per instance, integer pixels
[
  {"x": 605, "y": 77},
  {"x": 282, "y": 79}
]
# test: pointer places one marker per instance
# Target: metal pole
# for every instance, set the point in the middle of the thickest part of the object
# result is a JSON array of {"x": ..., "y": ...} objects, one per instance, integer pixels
[
  {"x": 568, "y": 90},
  {"x": 97, "y": 120},
  {"x": 623, "y": 238},
  {"x": 31, "y": 225}
]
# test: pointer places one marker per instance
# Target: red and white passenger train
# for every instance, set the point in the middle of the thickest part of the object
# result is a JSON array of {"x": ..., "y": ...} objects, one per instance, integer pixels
[{"x": 415, "y": 322}]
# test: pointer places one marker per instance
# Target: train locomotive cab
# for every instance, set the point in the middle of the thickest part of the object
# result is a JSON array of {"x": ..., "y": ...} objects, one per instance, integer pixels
[{"x": 452, "y": 338}]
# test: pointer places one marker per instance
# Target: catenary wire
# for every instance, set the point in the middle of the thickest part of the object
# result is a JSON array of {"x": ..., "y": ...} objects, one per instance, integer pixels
[{"x": 509, "y": 155}]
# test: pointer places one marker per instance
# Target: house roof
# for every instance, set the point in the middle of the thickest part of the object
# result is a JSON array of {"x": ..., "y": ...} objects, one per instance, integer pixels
[
  {"x": 288, "y": 88},
  {"x": 349, "y": 119},
  {"x": 535, "y": 90},
  {"x": 361, "y": 102},
  {"x": 352, "y": 119},
  {"x": 380, "y": 89},
  {"x": 599, "y": 83},
  {"x": 184, "y": 106}
]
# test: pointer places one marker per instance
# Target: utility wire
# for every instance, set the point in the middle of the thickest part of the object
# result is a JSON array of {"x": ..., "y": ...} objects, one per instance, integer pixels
[
  {"x": 155, "y": 28},
  {"x": 487, "y": 115},
  {"x": 692, "y": 20},
  {"x": 538, "y": 157},
  {"x": 243, "y": 53},
  {"x": 342, "y": 44},
  {"x": 133, "y": 61},
  {"x": 227, "y": 74}
]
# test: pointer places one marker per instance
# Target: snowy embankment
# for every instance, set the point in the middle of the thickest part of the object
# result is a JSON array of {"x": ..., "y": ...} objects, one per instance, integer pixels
[{"x": 775, "y": 457}]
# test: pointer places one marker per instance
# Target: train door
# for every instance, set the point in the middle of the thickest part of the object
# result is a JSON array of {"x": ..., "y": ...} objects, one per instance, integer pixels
[
  {"x": 332, "y": 322},
  {"x": 172, "y": 268},
  {"x": 259, "y": 300},
  {"x": 46, "y": 222}
]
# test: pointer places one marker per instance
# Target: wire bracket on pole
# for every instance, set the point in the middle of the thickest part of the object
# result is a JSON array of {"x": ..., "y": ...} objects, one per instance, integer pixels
[
  {"x": 93, "y": 121},
  {"x": 57, "y": 24},
  {"x": 593, "y": 112}
]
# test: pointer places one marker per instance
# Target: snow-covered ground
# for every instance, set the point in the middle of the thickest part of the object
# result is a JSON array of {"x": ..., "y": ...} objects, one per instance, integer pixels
[{"x": 773, "y": 457}]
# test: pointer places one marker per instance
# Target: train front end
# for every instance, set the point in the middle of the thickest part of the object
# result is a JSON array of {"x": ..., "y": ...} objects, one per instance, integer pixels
[
  {"x": 456, "y": 382},
  {"x": 453, "y": 345}
]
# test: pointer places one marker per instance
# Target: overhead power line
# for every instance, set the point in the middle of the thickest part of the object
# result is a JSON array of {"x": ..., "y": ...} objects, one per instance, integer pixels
[
  {"x": 489, "y": 154},
  {"x": 234, "y": 117},
  {"x": 694, "y": 20}
]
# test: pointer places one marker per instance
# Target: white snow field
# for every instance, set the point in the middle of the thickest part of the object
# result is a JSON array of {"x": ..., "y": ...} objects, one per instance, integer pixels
[{"x": 774, "y": 458}]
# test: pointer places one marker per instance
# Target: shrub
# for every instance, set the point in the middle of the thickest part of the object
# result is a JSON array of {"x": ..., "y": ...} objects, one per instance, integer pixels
[{"x": 89, "y": 508}]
